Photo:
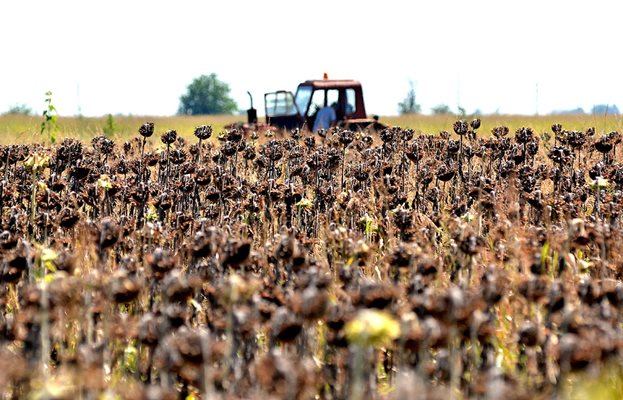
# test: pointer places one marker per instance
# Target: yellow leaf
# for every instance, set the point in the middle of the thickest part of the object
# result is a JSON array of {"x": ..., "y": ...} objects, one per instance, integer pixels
[{"x": 372, "y": 328}]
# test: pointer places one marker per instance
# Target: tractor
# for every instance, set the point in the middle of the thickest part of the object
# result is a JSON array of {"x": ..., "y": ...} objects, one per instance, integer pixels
[{"x": 288, "y": 111}]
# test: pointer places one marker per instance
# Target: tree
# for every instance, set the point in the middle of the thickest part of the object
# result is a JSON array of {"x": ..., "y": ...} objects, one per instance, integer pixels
[
  {"x": 207, "y": 95},
  {"x": 578, "y": 110},
  {"x": 441, "y": 109},
  {"x": 22, "y": 109},
  {"x": 605, "y": 109},
  {"x": 409, "y": 105}
]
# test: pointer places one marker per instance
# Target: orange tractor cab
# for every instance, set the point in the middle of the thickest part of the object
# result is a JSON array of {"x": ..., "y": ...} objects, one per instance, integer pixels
[{"x": 285, "y": 110}]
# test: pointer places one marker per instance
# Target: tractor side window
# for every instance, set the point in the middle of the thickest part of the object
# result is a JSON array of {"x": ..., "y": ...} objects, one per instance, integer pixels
[{"x": 350, "y": 101}]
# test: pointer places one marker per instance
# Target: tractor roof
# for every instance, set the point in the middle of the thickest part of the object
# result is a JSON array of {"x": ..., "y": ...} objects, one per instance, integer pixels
[{"x": 331, "y": 83}]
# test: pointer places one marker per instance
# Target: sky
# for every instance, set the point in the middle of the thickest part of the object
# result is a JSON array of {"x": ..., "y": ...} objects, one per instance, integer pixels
[{"x": 137, "y": 57}]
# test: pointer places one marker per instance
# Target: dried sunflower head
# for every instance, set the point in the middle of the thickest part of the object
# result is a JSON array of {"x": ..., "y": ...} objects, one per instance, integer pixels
[
  {"x": 146, "y": 130},
  {"x": 169, "y": 137},
  {"x": 203, "y": 132}
]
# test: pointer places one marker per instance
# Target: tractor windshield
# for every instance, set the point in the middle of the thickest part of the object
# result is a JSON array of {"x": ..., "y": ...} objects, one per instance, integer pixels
[{"x": 302, "y": 98}]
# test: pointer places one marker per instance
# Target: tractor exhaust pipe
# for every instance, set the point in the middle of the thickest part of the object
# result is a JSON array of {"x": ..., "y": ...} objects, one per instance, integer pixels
[{"x": 251, "y": 112}]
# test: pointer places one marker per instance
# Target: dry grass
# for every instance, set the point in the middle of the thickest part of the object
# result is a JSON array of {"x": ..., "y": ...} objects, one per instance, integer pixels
[
  {"x": 25, "y": 129},
  {"x": 436, "y": 123}
]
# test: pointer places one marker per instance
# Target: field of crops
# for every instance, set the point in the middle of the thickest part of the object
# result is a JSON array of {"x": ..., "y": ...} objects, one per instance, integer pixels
[
  {"x": 445, "y": 259},
  {"x": 25, "y": 129}
]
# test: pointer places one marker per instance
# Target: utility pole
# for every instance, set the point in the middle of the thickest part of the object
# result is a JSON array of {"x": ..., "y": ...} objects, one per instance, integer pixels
[
  {"x": 458, "y": 92},
  {"x": 536, "y": 99},
  {"x": 78, "y": 99}
]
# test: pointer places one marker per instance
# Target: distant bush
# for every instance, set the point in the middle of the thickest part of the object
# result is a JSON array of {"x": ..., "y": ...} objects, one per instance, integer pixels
[
  {"x": 441, "y": 109},
  {"x": 409, "y": 105},
  {"x": 111, "y": 127},
  {"x": 605, "y": 109},
  {"x": 578, "y": 110},
  {"x": 22, "y": 109}
]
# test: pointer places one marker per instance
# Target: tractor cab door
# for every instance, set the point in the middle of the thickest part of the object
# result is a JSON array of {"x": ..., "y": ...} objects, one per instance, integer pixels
[
  {"x": 344, "y": 100},
  {"x": 281, "y": 110},
  {"x": 319, "y": 99}
]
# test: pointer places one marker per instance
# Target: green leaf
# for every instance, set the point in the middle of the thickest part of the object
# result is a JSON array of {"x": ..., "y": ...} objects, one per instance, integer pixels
[
  {"x": 544, "y": 253},
  {"x": 48, "y": 256}
]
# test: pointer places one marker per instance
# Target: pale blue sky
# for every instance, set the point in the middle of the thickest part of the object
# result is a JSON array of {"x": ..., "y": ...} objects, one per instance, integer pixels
[{"x": 138, "y": 56}]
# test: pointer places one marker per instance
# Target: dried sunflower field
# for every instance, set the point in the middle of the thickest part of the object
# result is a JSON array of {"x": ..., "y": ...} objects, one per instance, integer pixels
[{"x": 465, "y": 264}]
